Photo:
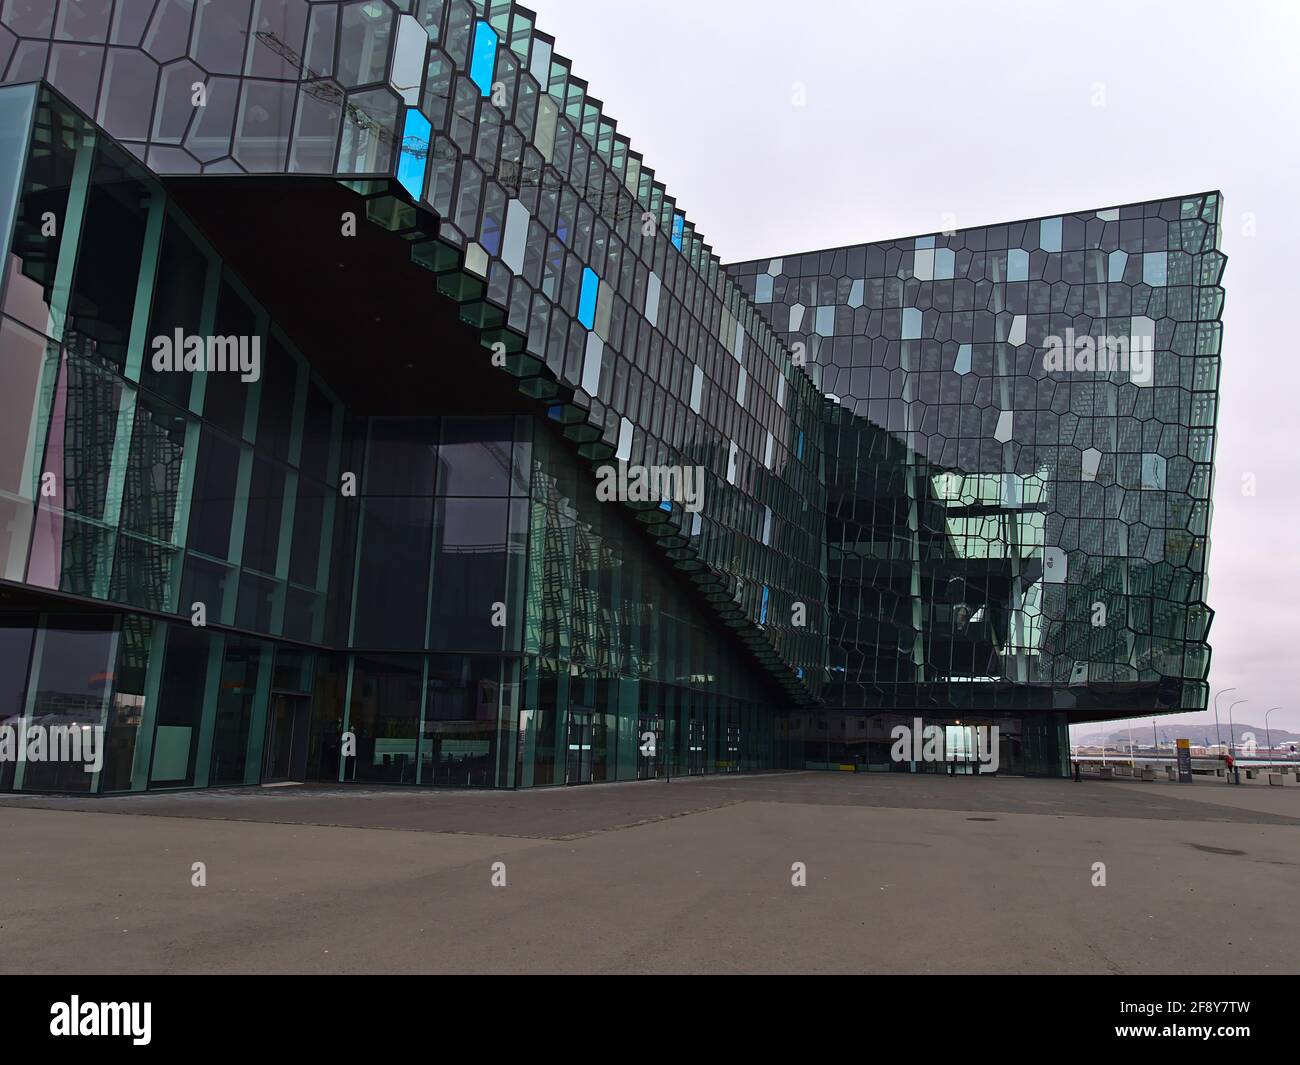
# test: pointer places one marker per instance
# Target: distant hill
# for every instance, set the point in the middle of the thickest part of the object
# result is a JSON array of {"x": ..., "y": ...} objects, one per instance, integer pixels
[{"x": 1199, "y": 732}]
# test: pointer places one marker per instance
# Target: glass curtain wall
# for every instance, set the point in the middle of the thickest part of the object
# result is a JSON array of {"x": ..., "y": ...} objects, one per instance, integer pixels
[{"x": 621, "y": 681}]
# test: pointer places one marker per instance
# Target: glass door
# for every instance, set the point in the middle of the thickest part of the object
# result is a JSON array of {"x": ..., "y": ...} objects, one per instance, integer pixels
[
  {"x": 577, "y": 767},
  {"x": 732, "y": 764},
  {"x": 695, "y": 747},
  {"x": 959, "y": 748},
  {"x": 287, "y": 723}
]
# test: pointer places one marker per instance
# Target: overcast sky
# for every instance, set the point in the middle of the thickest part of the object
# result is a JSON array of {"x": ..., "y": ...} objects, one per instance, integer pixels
[{"x": 995, "y": 111}]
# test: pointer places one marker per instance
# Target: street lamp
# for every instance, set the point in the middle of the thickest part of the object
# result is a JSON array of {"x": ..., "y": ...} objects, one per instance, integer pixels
[
  {"x": 1232, "y": 728},
  {"x": 1268, "y": 736},
  {"x": 1218, "y": 736}
]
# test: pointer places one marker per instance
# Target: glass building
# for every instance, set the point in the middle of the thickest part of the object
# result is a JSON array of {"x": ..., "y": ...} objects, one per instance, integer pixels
[
  {"x": 326, "y": 327},
  {"x": 1018, "y": 434}
]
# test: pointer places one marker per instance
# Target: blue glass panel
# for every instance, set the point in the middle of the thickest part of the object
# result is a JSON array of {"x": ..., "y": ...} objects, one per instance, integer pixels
[
  {"x": 483, "y": 59},
  {"x": 587, "y": 297},
  {"x": 1017, "y": 265},
  {"x": 798, "y": 448},
  {"x": 1155, "y": 268},
  {"x": 1049, "y": 234},
  {"x": 415, "y": 152},
  {"x": 911, "y": 323},
  {"x": 1116, "y": 264},
  {"x": 762, "y": 613},
  {"x": 679, "y": 226},
  {"x": 667, "y": 505}
]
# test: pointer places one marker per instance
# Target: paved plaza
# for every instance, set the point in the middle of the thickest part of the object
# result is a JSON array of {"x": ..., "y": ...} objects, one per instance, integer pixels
[{"x": 901, "y": 874}]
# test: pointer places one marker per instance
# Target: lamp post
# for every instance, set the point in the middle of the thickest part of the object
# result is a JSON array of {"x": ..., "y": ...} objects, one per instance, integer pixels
[
  {"x": 1218, "y": 736},
  {"x": 1232, "y": 728},
  {"x": 1268, "y": 736},
  {"x": 1232, "y": 739}
]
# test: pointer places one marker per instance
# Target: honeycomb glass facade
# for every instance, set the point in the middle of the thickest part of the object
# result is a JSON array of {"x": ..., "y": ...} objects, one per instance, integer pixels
[
  {"x": 1019, "y": 436},
  {"x": 335, "y": 337}
]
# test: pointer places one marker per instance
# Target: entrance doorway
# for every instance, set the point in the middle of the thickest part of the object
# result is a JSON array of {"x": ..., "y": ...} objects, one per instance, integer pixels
[
  {"x": 577, "y": 765},
  {"x": 732, "y": 764},
  {"x": 287, "y": 725},
  {"x": 959, "y": 749},
  {"x": 695, "y": 747}
]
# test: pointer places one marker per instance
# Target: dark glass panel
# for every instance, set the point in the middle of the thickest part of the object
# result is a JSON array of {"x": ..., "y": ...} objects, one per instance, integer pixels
[
  {"x": 316, "y": 434},
  {"x": 177, "y": 304},
  {"x": 385, "y": 718},
  {"x": 259, "y": 603},
  {"x": 401, "y": 457},
  {"x": 469, "y": 575},
  {"x": 264, "y": 516},
  {"x": 327, "y": 704},
  {"x": 392, "y": 582},
  {"x": 308, "y": 526},
  {"x": 304, "y": 615},
  {"x": 211, "y": 584},
  {"x": 240, "y": 676},
  {"x": 180, "y": 706},
  {"x": 226, "y": 399},
  {"x": 212, "y": 507},
  {"x": 279, "y": 392},
  {"x": 108, "y": 260},
  {"x": 145, "y": 573},
  {"x": 154, "y": 468},
  {"x": 475, "y": 459},
  {"x": 293, "y": 670},
  {"x": 83, "y": 430}
]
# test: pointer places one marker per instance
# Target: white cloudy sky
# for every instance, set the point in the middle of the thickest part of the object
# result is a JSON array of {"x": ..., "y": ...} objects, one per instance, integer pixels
[{"x": 986, "y": 110}]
